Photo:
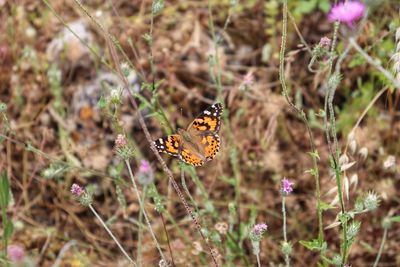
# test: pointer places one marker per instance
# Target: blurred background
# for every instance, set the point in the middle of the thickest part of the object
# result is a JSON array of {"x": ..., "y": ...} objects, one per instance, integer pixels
[{"x": 63, "y": 107}]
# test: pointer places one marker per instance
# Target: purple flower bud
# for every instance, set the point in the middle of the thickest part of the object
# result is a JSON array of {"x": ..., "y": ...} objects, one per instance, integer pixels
[
  {"x": 120, "y": 141},
  {"x": 287, "y": 186},
  {"x": 77, "y": 190},
  {"x": 260, "y": 228}
]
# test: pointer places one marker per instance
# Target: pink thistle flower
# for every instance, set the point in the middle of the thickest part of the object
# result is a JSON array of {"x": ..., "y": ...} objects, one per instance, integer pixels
[
  {"x": 16, "y": 253},
  {"x": 260, "y": 228},
  {"x": 287, "y": 186},
  {"x": 120, "y": 141},
  {"x": 347, "y": 12},
  {"x": 77, "y": 190}
]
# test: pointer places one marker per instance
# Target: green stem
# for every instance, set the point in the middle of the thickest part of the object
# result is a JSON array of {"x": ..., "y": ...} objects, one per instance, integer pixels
[
  {"x": 378, "y": 257},
  {"x": 258, "y": 260},
  {"x": 303, "y": 118},
  {"x": 331, "y": 133},
  {"x": 140, "y": 229},
  {"x": 327, "y": 93},
  {"x": 136, "y": 190},
  {"x": 287, "y": 258},
  {"x": 376, "y": 65},
  {"x": 284, "y": 218}
]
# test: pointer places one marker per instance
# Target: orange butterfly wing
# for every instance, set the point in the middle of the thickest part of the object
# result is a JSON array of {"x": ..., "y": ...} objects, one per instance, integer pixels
[{"x": 205, "y": 144}]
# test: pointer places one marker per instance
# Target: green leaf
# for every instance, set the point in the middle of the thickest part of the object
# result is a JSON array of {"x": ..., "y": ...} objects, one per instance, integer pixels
[
  {"x": 228, "y": 180},
  {"x": 216, "y": 238},
  {"x": 324, "y": 5},
  {"x": 395, "y": 219},
  {"x": 305, "y": 7},
  {"x": 102, "y": 103},
  {"x": 8, "y": 230},
  {"x": 326, "y": 206},
  {"x": 311, "y": 245},
  {"x": 4, "y": 190}
]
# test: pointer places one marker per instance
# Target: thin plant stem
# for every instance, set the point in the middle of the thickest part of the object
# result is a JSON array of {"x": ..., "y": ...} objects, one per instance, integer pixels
[
  {"x": 63, "y": 251},
  {"x": 378, "y": 257},
  {"x": 167, "y": 235},
  {"x": 140, "y": 229},
  {"x": 284, "y": 218},
  {"x": 327, "y": 93},
  {"x": 303, "y": 118},
  {"x": 371, "y": 61},
  {"x": 258, "y": 260},
  {"x": 112, "y": 235},
  {"x": 370, "y": 105},
  {"x": 302, "y": 40},
  {"x": 92, "y": 51},
  {"x": 143, "y": 210},
  {"x": 287, "y": 258},
  {"x": 225, "y": 115},
  {"x": 183, "y": 182}
]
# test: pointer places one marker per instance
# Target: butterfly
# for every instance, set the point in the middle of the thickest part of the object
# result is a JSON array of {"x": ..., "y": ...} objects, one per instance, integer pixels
[{"x": 197, "y": 144}]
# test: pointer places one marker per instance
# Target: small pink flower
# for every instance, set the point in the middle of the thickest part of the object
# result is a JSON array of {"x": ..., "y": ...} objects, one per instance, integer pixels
[
  {"x": 325, "y": 42},
  {"x": 120, "y": 141},
  {"x": 145, "y": 173},
  {"x": 16, "y": 253},
  {"x": 347, "y": 12},
  {"x": 144, "y": 166},
  {"x": 260, "y": 228},
  {"x": 248, "y": 80},
  {"x": 77, "y": 190},
  {"x": 287, "y": 186}
]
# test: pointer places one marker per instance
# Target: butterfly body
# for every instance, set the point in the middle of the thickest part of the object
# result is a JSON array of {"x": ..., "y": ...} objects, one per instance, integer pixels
[{"x": 197, "y": 144}]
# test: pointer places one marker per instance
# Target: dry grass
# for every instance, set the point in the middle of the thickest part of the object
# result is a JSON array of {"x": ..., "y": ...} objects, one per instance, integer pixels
[{"x": 271, "y": 142}]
